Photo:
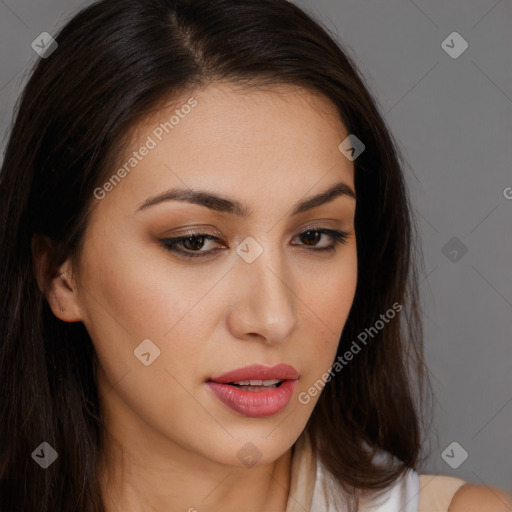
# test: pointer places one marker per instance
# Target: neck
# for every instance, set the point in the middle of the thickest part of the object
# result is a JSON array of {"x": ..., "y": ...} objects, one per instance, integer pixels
[{"x": 133, "y": 483}]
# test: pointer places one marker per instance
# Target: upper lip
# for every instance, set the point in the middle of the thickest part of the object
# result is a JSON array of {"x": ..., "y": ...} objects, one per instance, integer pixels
[{"x": 258, "y": 372}]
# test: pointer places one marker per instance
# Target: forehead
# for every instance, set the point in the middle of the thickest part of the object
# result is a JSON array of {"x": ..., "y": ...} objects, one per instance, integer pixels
[
  {"x": 254, "y": 117},
  {"x": 237, "y": 140}
]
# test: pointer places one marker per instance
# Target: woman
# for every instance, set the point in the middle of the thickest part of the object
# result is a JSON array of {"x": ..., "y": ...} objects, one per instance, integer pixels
[{"x": 196, "y": 314}]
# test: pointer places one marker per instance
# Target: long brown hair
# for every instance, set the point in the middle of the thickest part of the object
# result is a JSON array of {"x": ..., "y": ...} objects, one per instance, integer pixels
[{"x": 115, "y": 61}]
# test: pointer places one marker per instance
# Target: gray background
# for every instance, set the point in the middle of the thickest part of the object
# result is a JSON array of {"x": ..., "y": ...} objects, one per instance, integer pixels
[{"x": 452, "y": 120}]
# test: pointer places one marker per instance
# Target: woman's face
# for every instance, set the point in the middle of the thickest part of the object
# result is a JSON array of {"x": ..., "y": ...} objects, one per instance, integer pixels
[{"x": 256, "y": 288}]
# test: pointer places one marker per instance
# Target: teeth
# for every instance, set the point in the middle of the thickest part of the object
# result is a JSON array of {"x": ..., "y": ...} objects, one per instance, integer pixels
[
  {"x": 256, "y": 388},
  {"x": 271, "y": 382},
  {"x": 253, "y": 382}
]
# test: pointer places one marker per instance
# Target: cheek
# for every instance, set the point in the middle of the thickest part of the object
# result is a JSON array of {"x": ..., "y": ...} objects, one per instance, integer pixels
[
  {"x": 131, "y": 299},
  {"x": 134, "y": 296},
  {"x": 329, "y": 301},
  {"x": 331, "y": 294},
  {"x": 144, "y": 294}
]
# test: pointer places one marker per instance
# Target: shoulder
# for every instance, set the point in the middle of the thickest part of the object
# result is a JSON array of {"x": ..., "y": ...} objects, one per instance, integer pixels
[
  {"x": 474, "y": 498},
  {"x": 440, "y": 493}
]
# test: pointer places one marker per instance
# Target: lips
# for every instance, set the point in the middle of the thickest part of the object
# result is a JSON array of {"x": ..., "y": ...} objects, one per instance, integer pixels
[
  {"x": 258, "y": 372},
  {"x": 255, "y": 391}
]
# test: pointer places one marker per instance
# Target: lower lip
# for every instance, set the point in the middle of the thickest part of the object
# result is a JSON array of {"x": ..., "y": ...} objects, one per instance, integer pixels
[{"x": 254, "y": 404}]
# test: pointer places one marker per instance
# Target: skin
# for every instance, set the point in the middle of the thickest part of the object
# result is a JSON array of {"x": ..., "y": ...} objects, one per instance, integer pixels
[
  {"x": 478, "y": 498},
  {"x": 268, "y": 149}
]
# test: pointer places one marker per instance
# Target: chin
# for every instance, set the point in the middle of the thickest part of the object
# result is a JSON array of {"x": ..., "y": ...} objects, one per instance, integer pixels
[{"x": 258, "y": 446}]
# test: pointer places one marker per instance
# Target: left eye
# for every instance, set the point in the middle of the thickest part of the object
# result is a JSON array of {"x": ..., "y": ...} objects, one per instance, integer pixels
[{"x": 194, "y": 242}]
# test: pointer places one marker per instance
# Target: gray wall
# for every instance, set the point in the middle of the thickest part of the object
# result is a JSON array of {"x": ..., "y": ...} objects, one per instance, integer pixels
[{"x": 452, "y": 119}]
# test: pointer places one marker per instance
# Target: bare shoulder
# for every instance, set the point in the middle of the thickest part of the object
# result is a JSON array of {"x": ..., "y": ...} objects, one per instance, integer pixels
[{"x": 476, "y": 498}]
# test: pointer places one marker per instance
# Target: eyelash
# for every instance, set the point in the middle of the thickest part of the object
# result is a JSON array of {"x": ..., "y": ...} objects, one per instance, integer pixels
[{"x": 170, "y": 243}]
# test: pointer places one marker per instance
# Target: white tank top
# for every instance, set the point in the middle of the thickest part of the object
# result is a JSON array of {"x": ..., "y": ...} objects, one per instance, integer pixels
[
  {"x": 402, "y": 496},
  {"x": 313, "y": 489}
]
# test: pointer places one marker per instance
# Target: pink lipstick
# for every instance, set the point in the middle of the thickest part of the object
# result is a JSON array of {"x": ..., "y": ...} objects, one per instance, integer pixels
[{"x": 255, "y": 391}]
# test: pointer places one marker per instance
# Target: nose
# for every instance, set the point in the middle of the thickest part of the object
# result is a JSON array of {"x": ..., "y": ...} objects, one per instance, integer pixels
[{"x": 265, "y": 303}]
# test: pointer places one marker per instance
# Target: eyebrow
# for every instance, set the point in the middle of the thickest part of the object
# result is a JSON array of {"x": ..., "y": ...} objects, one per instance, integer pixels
[{"x": 227, "y": 205}]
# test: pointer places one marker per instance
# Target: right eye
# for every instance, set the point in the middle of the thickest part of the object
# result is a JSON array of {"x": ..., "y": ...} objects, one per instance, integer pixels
[{"x": 192, "y": 243}]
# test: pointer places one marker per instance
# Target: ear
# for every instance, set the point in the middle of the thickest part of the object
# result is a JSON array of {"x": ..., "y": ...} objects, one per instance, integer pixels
[{"x": 57, "y": 284}]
